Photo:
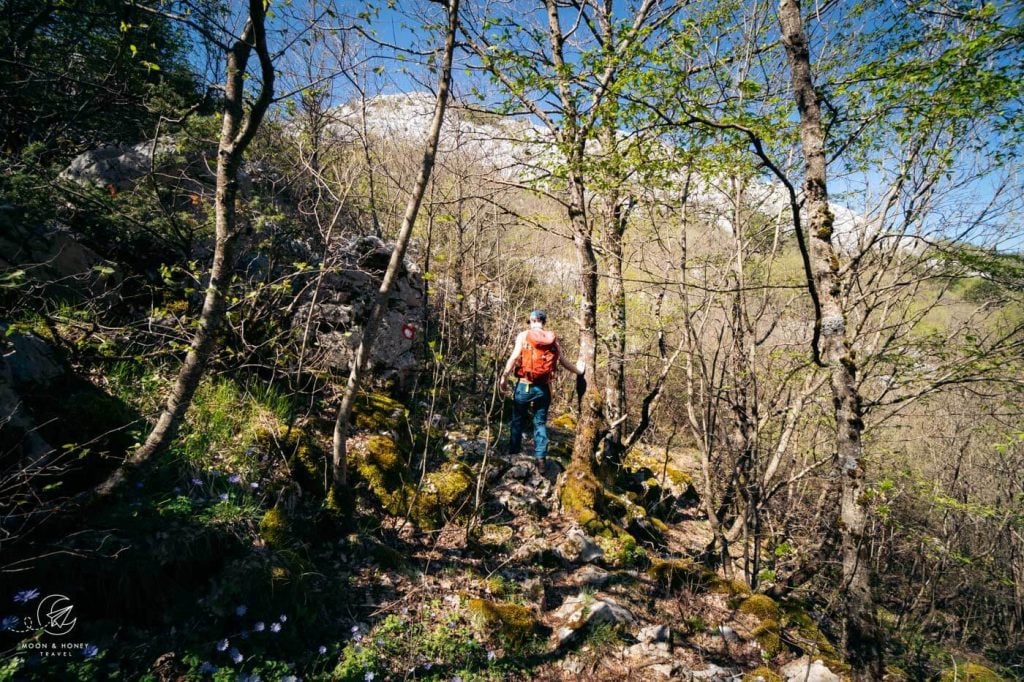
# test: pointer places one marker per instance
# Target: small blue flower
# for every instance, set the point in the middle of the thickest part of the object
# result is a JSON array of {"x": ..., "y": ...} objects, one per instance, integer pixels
[
  {"x": 283, "y": 618},
  {"x": 491, "y": 655},
  {"x": 25, "y": 596},
  {"x": 197, "y": 481},
  {"x": 207, "y": 668},
  {"x": 322, "y": 650},
  {"x": 289, "y": 678},
  {"x": 224, "y": 497},
  {"x": 275, "y": 627},
  {"x": 369, "y": 676},
  {"x": 90, "y": 650},
  {"x": 240, "y": 611},
  {"x": 8, "y": 623},
  {"x": 254, "y": 485},
  {"x": 223, "y": 644},
  {"x": 234, "y": 478},
  {"x": 355, "y": 629},
  {"x": 259, "y": 626},
  {"x": 236, "y": 655}
]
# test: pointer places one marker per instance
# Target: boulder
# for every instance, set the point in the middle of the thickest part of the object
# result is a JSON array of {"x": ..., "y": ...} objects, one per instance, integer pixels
[
  {"x": 343, "y": 305},
  {"x": 805, "y": 670},
  {"x": 51, "y": 258},
  {"x": 584, "y": 611}
]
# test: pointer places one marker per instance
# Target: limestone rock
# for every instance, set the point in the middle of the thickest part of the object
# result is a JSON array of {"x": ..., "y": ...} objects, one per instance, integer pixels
[
  {"x": 654, "y": 633},
  {"x": 806, "y": 670},
  {"x": 343, "y": 305},
  {"x": 713, "y": 673},
  {"x": 588, "y": 550},
  {"x": 590, "y": 576},
  {"x": 583, "y": 611}
]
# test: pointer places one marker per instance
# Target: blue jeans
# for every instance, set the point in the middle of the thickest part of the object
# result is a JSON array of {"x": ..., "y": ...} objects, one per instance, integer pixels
[{"x": 539, "y": 397}]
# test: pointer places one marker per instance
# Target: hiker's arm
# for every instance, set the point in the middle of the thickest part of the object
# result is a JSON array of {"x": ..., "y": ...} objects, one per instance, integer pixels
[
  {"x": 575, "y": 369},
  {"x": 512, "y": 358}
]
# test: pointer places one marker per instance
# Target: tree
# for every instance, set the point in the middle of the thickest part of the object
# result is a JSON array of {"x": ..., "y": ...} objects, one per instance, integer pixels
[
  {"x": 237, "y": 131},
  {"x": 372, "y": 325}
]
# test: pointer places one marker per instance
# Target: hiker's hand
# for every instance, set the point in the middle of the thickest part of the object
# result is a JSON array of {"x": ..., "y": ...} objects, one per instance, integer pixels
[{"x": 503, "y": 385}]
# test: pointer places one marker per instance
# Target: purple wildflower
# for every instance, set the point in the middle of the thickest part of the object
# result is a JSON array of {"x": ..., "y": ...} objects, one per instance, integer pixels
[
  {"x": 8, "y": 623},
  {"x": 207, "y": 668},
  {"x": 90, "y": 650},
  {"x": 275, "y": 627},
  {"x": 25, "y": 596},
  {"x": 259, "y": 626},
  {"x": 254, "y": 485},
  {"x": 283, "y": 618},
  {"x": 322, "y": 650},
  {"x": 234, "y": 478},
  {"x": 196, "y": 481},
  {"x": 369, "y": 676},
  {"x": 240, "y": 611},
  {"x": 236, "y": 655},
  {"x": 222, "y": 645},
  {"x": 224, "y": 497}
]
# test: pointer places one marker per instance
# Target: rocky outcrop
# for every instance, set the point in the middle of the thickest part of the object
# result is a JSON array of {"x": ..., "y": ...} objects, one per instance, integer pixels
[
  {"x": 342, "y": 305},
  {"x": 50, "y": 260}
]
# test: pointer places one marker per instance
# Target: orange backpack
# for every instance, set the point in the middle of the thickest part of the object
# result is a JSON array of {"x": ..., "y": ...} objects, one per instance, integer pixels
[{"x": 539, "y": 356}]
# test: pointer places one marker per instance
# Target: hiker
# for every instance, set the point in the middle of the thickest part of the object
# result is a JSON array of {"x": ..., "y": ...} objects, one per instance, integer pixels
[{"x": 534, "y": 359}]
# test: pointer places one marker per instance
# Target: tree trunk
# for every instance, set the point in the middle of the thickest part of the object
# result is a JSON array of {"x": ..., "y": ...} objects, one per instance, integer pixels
[
  {"x": 237, "y": 131},
  {"x": 862, "y": 638},
  {"x": 372, "y": 326}
]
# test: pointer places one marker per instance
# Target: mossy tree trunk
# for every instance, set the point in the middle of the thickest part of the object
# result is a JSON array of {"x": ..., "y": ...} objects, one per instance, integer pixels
[
  {"x": 862, "y": 639},
  {"x": 372, "y": 325},
  {"x": 237, "y": 131}
]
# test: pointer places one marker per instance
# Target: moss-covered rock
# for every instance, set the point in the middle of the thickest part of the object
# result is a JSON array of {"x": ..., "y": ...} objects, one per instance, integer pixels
[
  {"x": 767, "y": 635},
  {"x": 970, "y": 672},
  {"x": 675, "y": 574},
  {"x": 512, "y": 622},
  {"x": 495, "y": 535},
  {"x": 380, "y": 465},
  {"x": 377, "y": 413},
  {"x": 807, "y": 633},
  {"x": 275, "y": 529},
  {"x": 441, "y": 495},
  {"x": 762, "y": 674},
  {"x": 564, "y": 421},
  {"x": 761, "y": 607}
]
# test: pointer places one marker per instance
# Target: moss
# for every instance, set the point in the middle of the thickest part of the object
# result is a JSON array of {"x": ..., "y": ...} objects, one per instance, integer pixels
[
  {"x": 275, "y": 528},
  {"x": 380, "y": 465},
  {"x": 678, "y": 477},
  {"x": 767, "y": 637},
  {"x": 732, "y": 587},
  {"x": 440, "y": 496},
  {"x": 808, "y": 632},
  {"x": 762, "y": 674},
  {"x": 970, "y": 672},
  {"x": 564, "y": 421},
  {"x": 495, "y": 535},
  {"x": 377, "y": 412},
  {"x": 579, "y": 497},
  {"x": 621, "y": 549},
  {"x": 761, "y": 606},
  {"x": 514, "y": 623},
  {"x": 676, "y": 574}
]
